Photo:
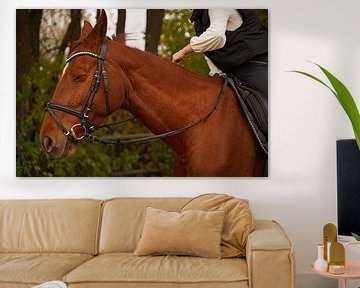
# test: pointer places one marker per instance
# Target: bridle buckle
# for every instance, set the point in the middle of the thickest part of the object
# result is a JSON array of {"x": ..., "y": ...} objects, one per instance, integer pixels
[{"x": 78, "y": 131}]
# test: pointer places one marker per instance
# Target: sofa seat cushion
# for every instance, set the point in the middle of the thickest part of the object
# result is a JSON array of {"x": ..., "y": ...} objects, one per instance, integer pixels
[
  {"x": 127, "y": 268},
  {"x": 36, "y": 268}
]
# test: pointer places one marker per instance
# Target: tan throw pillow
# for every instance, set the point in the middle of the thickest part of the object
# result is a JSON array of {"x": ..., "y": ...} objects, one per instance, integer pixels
[
  {"x": 239, "y": 220},
  {"x": 196, "y": 233}
]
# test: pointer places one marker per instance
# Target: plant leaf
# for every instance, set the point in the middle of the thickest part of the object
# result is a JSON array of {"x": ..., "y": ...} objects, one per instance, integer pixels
[
  {"x": 357, "y": 237},
  {"x": 344, "y": 97},
  {"x": 357, "y": 137},
  {"x": 316, "y": 79},
  {"x": 347, "y": 102}
]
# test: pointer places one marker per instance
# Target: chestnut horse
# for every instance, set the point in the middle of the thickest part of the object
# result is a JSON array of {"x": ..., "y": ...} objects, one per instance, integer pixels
[{"x": 162, "y": 95}]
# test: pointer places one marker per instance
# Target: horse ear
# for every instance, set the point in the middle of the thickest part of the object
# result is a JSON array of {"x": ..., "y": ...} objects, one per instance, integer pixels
[
  {"x": 98, "y": 34},
  {"x": 87, "y": 28}
]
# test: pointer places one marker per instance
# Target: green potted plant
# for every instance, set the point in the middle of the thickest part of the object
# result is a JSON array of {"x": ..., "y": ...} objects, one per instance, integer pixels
[
  {"x": 344, "y": 97},
  {"x": 346, "y": 100}
]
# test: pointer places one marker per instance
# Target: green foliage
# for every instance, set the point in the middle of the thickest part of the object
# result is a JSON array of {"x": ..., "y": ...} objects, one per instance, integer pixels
[
  {"x": 263, "y": 16},
  {"x": 344, "y": 97},
  {"x": 177, "y": 32},
  {"x": 91, "y": 159},
  {"x": 357, "y": 237}
]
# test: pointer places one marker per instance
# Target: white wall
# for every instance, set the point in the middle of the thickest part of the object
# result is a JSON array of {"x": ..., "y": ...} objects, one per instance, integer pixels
[{"x": 305, "y": 123}]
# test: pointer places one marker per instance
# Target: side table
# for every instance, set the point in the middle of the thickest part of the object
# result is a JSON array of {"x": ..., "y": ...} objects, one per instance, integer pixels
[{"x": 352, "y": 268}]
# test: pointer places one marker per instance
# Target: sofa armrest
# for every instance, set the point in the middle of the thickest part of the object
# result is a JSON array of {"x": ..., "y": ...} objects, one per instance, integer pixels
[{"x": 269, "y": 256}]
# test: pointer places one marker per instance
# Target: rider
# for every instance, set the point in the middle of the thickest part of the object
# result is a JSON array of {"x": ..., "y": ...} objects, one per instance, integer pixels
[{"x": 234, "y": 42}]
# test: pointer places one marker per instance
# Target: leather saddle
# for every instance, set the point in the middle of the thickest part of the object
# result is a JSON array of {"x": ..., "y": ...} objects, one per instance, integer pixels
[{"x": 255, "y": 107}]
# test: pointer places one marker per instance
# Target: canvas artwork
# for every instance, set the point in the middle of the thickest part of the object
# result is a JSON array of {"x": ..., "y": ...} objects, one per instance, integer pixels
[{"x": 142, "y": 92}]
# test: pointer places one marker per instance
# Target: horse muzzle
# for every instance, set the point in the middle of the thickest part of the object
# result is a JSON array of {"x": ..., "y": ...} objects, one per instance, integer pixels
[{"x": 54, "y": 149}]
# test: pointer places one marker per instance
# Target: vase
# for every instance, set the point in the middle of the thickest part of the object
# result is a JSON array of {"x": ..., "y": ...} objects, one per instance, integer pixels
[{"x": 320, "y": 264}]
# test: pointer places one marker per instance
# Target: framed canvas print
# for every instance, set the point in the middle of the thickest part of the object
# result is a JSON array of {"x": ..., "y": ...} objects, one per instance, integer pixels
[{"x": 142, "y": 92}]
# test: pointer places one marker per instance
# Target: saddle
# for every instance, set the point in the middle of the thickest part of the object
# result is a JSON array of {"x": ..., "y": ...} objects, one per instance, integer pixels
[{"x": 255, "y": 107}]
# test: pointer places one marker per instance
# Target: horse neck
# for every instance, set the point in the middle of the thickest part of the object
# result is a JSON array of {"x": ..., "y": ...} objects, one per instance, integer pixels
[{"x": 164, "y": 96}]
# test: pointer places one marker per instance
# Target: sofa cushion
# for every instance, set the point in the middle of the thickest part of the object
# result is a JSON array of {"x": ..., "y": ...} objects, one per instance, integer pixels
[
  {"x": 126, "y": 268},
  {"x": 192, "y": 232},
  {"x": 123, "y": 218},
  {"x": 36, "y": 268},
  {"x": 63, "y": 226},
  {"x": 239, "y": 220}
]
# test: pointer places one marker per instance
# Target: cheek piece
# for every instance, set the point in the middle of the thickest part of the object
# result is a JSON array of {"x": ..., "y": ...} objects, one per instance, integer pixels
[{"x": 78, "y": 131}]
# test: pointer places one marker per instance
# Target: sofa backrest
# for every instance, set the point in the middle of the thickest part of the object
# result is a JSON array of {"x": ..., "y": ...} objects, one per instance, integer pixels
[
  {"x": 123, "y": 220},
  {"x": 64, "y": 226}
]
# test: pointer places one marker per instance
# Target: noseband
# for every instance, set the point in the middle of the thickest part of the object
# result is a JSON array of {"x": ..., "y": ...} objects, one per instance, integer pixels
[{"x": 78, "y": 131}]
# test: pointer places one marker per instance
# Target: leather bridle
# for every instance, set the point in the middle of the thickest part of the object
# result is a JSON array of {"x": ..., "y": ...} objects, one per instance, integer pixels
[
  {"x": 78, "y": 131},
  {"x": 84, "y": 129}
]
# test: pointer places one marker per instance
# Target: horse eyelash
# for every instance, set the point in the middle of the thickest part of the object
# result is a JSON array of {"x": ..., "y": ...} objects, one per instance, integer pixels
[{"x": 80, "y": 78}]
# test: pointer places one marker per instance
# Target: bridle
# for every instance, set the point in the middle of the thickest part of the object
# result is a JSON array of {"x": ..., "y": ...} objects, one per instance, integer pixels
[
  {"x": 85, "y": 129},
  {"x": 78, "y": 131}
]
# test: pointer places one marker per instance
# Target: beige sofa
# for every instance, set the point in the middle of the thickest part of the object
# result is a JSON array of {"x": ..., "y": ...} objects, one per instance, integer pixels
[{"x": 89, "y": 243}]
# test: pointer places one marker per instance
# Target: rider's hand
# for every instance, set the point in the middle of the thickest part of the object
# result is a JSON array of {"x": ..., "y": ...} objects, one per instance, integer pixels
[
  {"x": 181, "y": 54},
  {"x": 178, "y": 56}
]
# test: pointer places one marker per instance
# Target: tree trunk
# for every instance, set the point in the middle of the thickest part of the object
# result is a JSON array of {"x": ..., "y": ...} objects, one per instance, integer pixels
[
  {"x": 154, "y": 20},
  {"x": 120, "y": 25},
  {"x": 73, "y": 30},
  {"x": 27, "y": 40}
]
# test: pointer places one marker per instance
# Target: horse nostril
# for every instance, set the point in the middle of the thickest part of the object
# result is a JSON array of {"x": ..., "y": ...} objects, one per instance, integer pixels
[{"x": 48, "y": 143}]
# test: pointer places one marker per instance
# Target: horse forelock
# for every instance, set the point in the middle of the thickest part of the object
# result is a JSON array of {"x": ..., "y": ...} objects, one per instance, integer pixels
[
  {"x": 74, "y": 45},
  {"x": 85, "y": 44}
]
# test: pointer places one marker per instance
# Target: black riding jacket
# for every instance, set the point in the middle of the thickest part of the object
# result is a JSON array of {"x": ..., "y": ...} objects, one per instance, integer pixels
[{"x": 243, "y": 44}]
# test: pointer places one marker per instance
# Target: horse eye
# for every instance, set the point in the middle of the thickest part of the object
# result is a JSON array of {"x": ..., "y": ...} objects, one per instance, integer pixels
[{"x": 79, "y": 78}]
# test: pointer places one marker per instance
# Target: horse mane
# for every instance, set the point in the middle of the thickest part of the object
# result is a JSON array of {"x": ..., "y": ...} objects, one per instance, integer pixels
[
  {"x": 119, "y": 38},
  {"x": 152, "y": 59}
]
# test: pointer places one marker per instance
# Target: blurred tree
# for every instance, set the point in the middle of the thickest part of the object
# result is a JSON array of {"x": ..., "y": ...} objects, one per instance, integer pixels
[
  {"x": 263, "y": 16},
  {"x": 27, "y": 40},
  {"x": 120, "y": 25},
  {"x": 154, "y": 21},
  {"x": 73, "y": 29},
  {"x": 53, "y": 29}
]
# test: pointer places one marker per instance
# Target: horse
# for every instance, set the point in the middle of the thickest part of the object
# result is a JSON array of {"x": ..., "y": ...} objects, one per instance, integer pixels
[{"x": 162, "y": 95}]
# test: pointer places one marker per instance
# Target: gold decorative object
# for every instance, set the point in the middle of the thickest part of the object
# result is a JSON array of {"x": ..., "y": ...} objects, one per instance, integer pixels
[
  {"x": 337, "y": 258},
  {"x": 330, "y": 236}
]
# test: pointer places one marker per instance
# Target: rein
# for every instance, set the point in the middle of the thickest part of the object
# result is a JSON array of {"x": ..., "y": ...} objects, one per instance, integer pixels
[
  {"x": 84, "y": 129},
  {"x": 154, "y": 137}
]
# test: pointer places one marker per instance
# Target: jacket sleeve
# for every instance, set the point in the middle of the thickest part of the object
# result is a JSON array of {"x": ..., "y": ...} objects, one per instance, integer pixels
[{"x": 214, "y": 36}]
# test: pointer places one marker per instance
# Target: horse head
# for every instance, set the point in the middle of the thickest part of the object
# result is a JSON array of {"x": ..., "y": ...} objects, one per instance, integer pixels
[{"x": 81, "y": 100}]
